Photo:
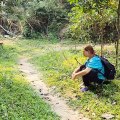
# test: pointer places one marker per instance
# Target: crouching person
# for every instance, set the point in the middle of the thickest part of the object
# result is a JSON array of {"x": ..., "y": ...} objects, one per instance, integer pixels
[{"x": 89, "y": 71}]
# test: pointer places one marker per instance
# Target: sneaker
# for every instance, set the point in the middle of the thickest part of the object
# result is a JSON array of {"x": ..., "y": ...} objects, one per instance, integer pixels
[
  {"x": 82, "y": 85},
  {"x": 84, "y": 89}
]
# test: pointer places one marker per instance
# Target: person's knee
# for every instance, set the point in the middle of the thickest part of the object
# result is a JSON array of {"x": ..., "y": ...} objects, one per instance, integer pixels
[{"x": 82, "y": 67}]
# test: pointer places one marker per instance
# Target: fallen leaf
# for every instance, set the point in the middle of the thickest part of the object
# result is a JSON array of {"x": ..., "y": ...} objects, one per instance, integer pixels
[{"x": 107, "y": 116}]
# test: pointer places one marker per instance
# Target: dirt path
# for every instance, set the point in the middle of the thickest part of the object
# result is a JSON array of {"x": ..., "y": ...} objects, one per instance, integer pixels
[{"x": 58, "y": 105}]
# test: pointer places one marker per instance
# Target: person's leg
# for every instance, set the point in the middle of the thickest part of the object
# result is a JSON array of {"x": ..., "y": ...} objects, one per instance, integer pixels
[
  {"x": 90, "y": 77},
  {"x": 86, "y": 82},
  {"x": 87, "y": 79},
  {"x": 98, "y": 81}
]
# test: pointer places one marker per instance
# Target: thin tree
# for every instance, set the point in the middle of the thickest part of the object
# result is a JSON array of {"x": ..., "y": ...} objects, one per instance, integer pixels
[{"x": 118, "y": 30}]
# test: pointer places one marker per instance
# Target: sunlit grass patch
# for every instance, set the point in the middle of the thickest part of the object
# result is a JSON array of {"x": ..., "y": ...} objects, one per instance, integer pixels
[
  {"x": 57, "y": 68},
  {"x": 31, "y": 48}
]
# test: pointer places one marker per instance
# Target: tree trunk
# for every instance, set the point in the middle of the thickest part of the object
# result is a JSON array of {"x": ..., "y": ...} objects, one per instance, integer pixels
[
  {"x": 8, "y": 32},
  {"x": 102, "y": 46},
  {"x": 118, "y": 29},
  {"x": 102, "y": 42}
]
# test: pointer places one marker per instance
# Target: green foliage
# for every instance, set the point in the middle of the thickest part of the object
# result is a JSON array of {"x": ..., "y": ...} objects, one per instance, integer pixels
[
  {"x": 28, "y": 33},
  {"x": 19, "y": 102},
  {"x": 12, "y": 9},
  {"x": 38, "y": 16},
  {"x": 94, "y": 20},
  {"x": 17, "y": 98},
  {"x": 44, "y": 17}
]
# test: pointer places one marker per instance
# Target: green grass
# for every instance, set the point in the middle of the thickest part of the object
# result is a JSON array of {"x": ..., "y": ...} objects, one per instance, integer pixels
[
  {"x": 18, "y": 101},
  {"x": 57, "y": 67}
]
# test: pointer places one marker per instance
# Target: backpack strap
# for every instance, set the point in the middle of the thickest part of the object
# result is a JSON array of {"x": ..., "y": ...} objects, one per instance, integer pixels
[
  {"x": 100, "y": 72},
  {"x": 97, "y": 69}
]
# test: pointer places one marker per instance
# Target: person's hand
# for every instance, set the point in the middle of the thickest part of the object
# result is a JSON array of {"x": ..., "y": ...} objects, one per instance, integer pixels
[{"x": 73, "y": 76}]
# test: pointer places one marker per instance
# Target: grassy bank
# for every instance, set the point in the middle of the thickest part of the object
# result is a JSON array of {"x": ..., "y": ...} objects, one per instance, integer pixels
[
  {"x": 57, "y": 65},
  {"x": 57, "y": 68},
  {"x": 18, "y": 101}
]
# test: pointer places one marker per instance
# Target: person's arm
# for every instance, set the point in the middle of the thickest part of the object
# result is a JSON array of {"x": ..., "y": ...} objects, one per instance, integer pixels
[
  {"x": 81, "y": 73},
  {"x": 76, "y": 70}
]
